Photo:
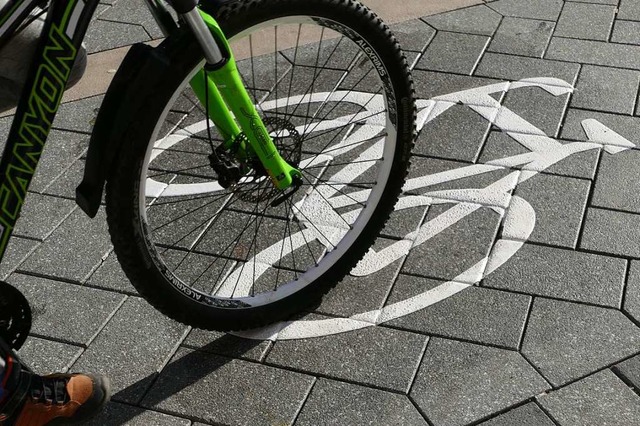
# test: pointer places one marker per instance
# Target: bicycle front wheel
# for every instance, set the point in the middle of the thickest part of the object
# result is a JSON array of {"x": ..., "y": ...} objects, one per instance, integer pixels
[{"x": 335, "y": 92}]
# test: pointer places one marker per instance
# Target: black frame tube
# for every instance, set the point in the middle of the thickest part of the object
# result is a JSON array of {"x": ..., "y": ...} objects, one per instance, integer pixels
[
  {"x": 61, "y": 39},
  {"x": 183, "y": 6},
  {"x": 65, "y": 27}
]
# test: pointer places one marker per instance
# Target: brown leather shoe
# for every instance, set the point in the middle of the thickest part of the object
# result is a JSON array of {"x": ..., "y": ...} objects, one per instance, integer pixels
[{"x": 62, "y": 399}]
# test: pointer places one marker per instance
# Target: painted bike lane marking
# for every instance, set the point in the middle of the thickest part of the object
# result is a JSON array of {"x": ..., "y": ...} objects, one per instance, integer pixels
[{"x": 518, "y": 222}]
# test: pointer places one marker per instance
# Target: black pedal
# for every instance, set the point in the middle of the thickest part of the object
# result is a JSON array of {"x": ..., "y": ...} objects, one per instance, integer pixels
[{"x": 15, "y": 316}]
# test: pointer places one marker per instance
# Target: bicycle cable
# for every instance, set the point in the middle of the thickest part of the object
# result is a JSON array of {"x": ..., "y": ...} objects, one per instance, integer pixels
[{"x": 206, "y": 111}]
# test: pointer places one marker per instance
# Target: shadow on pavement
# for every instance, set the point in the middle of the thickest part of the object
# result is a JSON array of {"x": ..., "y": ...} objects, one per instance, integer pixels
[{"x": 179, "y": 374}]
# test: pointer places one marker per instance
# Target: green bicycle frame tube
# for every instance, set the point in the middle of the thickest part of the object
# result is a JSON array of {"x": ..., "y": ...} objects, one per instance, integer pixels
[
  {"x": 227, "y": 95},
  {"x": 220, "y": 114}
]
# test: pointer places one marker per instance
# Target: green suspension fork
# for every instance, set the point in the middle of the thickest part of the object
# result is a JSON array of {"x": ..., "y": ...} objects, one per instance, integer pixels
[{"x": 233, "y": 112}]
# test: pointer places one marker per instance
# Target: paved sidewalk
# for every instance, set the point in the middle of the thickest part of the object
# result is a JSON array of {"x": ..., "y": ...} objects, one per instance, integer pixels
[{"x": 525, "y": 312}]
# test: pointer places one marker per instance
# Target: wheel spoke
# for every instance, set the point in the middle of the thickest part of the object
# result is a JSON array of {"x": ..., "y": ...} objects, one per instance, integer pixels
[{"x": 236, "y": 244}]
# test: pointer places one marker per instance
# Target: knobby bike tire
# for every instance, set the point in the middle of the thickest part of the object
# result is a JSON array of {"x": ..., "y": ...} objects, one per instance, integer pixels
[{"x": 126, "y": 215}]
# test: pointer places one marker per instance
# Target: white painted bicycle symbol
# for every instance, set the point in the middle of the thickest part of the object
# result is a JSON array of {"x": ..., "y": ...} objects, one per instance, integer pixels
[{"x": 518, "y": 216}]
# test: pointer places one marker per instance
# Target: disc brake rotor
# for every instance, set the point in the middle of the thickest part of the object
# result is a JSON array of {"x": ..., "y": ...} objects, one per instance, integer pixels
[{"x": 289, "y": 144}]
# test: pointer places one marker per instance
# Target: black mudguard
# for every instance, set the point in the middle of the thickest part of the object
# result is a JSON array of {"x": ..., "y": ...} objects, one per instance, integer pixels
[{"x": 119, "y": 105}]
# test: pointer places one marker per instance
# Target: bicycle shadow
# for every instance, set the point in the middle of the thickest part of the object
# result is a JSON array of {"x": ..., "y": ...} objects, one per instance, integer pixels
[{"x": 190, "y": 367}]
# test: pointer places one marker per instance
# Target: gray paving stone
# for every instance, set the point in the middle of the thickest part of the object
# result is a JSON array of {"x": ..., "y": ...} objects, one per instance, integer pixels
[
  {"x": 617, "y": 183},
  {"x": 338, "y": 403},
  {"x": 606, "y": 89},
  {"x": 629, "y": 10},
  {"x": 138, "y": 337},
  {"x": 594, "y": 52},
  {"x": 106, "y": 35},
  {"x": 632, "y": 295},
  {"x": 515, "y": 68},
  {"x": 79, "y": 116},
  {"x": 66, "y": 311},
  {"x": 524, "y": 37},
  {"x": 431, "y": 84},
  {"x": 413, "y": 35},
  {"x": 612, "y": 232},
  {"x": 121, "y": 414},
  {"x": 526, "y": 415},
  {"x": 477, "y": 314},
  {"x": 46, "y": 356},
  {"x": 626, "y": 32},
  {"x": 471, "y": 20},
  {"x": 5, "y": 125},
  {"x": 611, "y": 2},
  {"x": 457, "y": 134},
  {"x": 566, "y": 341},
  {"x": 305, "y": 79},
  {"x": 453, "y": 52},
  {"x": 357, "y": 294},
  {"x": 627, "y": 127},
  {"x": 601, "y": 399},
  {"x": 540, "y": 9},
  {"x": 338, "y": 54},
  {"x": 110, "y": 276},
  {"x": 64, "y": 186},
  {"x": 227, "y": 345},
  {"x": 133, "y": 12},
  {"x": 403, "y": 221},
  {"x": 202, "y": 272},
  {"x": 461, "y": 382},
  {"x": 17, "y": 251},
  {"x": 188, "y": 219},
  {"x": 260, "y": 73},
  {"x": 412, "y": 58},
  {"x": 221, "y": 239},
  {"x": 227, "y": 391},
  {"x": 41, "y": 215},
  {"x": 375, "y": 356},
  {"x": 60, "y": 151},
  {"x": 585, "y": 21},
  {"x": 581, "y": 165},
  {"x": 559, "y": 203},
  {"x": 74, "y": 249},
  {"x": 457, "y": 248},
  {"x": 102, "y": 7},
  {"x": 630, "y": 370},
  {"x": 564, "y": 274},
  {"x": 108, "y": 2},
  {"x": 538, "y": 107}
]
